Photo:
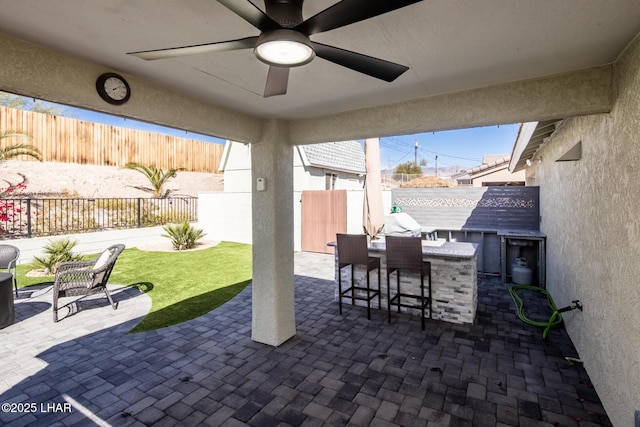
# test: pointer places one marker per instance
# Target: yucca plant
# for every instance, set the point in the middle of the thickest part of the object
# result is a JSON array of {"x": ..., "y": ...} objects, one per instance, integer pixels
[
  {"x": 183, "y": 236},
  {"x": 57, "y": 251}
]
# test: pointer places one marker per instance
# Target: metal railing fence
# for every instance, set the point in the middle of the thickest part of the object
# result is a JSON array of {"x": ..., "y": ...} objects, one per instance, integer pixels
[{"x": 20, "y": 218}]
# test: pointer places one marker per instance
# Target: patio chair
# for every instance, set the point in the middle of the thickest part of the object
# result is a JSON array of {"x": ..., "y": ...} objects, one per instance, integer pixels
[
  {"x": 8, "y": 260},
  {"x": 353, "y": 251},
  {"x": 81, "y": 278},
  {"x": 405, "y": 253}
]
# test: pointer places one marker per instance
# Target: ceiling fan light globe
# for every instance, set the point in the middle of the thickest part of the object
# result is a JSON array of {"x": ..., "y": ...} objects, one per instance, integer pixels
[{"x": 284, "y": 48}]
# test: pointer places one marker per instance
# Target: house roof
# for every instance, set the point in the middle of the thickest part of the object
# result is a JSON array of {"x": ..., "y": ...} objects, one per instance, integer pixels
[
  {"x": 494, "y": 158},
  {"x": 460, "y": 175},
  {"x": 490, "y": 163},
  {"x": 344, "y": 156},
  {"x": 531, "y": 136}
]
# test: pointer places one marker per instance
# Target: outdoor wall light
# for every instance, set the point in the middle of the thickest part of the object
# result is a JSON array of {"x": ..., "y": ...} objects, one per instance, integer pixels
[
  {"x": 284, "y": 47},
  {"x": 530, "y": 161}
]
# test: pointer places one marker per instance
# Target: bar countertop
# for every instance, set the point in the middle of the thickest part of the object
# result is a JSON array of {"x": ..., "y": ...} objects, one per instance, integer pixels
[
  {"x": 535, "y": 234},
  {"x": 433, "y": 248}
]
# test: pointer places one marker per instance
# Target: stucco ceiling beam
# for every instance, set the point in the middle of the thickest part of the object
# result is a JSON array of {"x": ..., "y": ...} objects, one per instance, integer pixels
[
  {"x": 34, "y": 71},
  {"x": 577, "y": 93}
]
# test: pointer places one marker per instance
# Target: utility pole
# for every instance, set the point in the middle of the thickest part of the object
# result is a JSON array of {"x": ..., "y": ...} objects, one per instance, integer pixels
[
  {"x": 415, "y": 154},
  {"x": 436, "y": 163}
]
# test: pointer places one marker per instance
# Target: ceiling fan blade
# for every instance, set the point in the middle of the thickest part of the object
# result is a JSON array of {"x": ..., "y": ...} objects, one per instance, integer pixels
[
  {"x": 172, "y": 52},
  {"x": 277, "y": 81},
  {"x": 374, "y": 67},
  {"x": 252, "y": 14},
  {"x": 348, "y": 12}
]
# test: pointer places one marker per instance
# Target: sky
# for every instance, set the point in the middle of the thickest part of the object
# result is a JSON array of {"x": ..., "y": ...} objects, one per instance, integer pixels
[{"x": 463, "y": 148}]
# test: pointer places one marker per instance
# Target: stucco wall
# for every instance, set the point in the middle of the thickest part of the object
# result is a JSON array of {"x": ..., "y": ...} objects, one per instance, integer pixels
[
  {"x": 591, "y": 214},
  {"x": 226, "y": 216},
  {"x": 237, "y": 168}
]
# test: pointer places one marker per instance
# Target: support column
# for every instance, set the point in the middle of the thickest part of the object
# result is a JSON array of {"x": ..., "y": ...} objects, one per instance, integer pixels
[{"x": 273, "y": 305}]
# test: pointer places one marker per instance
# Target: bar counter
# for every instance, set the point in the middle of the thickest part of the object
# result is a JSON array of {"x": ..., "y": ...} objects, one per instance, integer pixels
[{"x": 453, "y": 279}]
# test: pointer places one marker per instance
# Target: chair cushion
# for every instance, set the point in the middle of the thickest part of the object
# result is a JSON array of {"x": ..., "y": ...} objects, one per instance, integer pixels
[{"x": 102, "y": 260}]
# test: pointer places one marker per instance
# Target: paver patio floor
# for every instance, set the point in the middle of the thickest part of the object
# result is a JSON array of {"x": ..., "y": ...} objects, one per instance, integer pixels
[{"x": 337, "y": 370}]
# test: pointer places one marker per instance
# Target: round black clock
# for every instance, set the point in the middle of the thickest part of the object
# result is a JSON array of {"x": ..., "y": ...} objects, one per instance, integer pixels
[{"x": 113, "y": 88}]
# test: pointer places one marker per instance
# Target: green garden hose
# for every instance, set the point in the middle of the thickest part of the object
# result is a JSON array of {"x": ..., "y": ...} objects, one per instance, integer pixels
[{"x": 555, "y": 319}]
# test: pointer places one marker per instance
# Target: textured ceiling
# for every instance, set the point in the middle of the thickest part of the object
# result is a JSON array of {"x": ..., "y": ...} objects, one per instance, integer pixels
[{"x": 449, "y": 45}]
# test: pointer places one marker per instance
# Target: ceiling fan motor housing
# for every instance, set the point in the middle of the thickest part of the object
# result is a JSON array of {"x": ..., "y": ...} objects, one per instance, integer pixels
[{"x": 287, "y": 13}]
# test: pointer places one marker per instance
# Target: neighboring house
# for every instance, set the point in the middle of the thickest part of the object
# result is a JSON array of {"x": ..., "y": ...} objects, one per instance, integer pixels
[
  {"x": 462, "y": 178},
  {"x": 325, "y": 166},
  {"x": 493, "y": 171},
  {"x": 227, "y": 215}
]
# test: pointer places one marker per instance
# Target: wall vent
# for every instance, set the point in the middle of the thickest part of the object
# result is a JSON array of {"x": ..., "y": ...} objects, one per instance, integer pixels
[{"x": 574, "y": 154}]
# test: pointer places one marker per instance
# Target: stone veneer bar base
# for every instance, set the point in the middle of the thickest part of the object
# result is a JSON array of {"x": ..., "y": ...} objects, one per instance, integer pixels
[{"x": 453, "y": 280}]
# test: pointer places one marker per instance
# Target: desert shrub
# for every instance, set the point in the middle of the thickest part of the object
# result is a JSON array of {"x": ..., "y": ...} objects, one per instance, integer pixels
[
  {"x": 57, "y": 251},
  {"x": 152, "y": 218},
  {"x": 428, "y": 182},
  {"x": 409, "y": 168},
  {"x": 183, "y": 236}
]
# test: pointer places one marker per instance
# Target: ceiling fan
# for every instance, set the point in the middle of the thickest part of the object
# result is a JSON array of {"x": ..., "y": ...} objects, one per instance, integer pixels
[{"x": 284, "y": 38}]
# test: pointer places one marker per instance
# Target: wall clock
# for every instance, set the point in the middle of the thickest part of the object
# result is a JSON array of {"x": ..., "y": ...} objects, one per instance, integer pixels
[{"x": 113, "y": 88}]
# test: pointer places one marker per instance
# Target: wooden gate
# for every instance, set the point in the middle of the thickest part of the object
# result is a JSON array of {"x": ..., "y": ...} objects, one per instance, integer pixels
[{"x": 324, "y": 213}]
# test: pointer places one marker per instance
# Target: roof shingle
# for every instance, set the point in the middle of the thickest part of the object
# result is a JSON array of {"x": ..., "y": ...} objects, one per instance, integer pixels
[{"x": 345, "y": 156}]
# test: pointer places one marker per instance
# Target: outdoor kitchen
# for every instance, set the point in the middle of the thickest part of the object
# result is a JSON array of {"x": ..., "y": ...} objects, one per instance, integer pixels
[
  {"x": 454, "y": 286},
  {"x": 464, "y": 231}
]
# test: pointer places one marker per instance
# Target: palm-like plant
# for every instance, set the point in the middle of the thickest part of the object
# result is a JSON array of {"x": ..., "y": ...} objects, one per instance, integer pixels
[
  {"x": 157, "y": 177},
  {"x": 183, "y": 236},
  {"x": 57, "y": 251},
  {"x": 16, "y": 150}
]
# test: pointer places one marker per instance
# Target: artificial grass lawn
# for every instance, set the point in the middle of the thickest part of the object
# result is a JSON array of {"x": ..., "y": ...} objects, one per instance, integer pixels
[{"x": 182, "y": 285}]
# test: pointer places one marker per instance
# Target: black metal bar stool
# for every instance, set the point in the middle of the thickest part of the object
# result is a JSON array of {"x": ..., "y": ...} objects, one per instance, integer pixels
[
  {"x": 353, "y": 251},
  {"x": 405, "y": 253}
]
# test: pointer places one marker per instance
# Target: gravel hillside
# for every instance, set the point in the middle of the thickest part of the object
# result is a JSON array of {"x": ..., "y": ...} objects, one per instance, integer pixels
[{"x": 51, "y": 179}]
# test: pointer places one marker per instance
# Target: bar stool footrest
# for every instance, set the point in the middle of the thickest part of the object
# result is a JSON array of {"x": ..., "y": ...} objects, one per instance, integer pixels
[
  {"x": 347, "y": 293},
  {"x": 417, "y": 305}
]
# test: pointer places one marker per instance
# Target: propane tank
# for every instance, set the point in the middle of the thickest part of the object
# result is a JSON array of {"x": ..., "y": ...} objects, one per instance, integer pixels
[{"x": 521, "y": 274}]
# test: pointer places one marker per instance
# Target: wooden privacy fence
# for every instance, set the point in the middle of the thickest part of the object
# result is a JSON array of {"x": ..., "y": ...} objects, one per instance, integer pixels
[{"x": 62, "y": 139}]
